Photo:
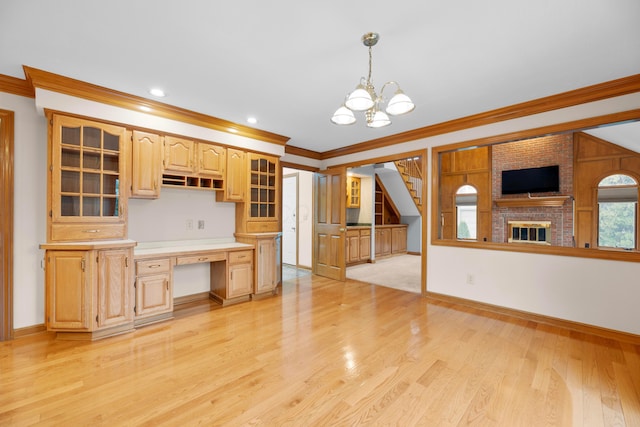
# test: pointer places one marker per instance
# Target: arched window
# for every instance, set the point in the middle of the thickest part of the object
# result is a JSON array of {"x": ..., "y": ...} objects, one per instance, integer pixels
[
  {"x": 467, "y": 213},
  {"x": 617, "y": 212}
]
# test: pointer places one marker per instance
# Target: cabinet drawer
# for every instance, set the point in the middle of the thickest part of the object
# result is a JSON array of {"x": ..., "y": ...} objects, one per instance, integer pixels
[
  {"x": 153, "y": 266},
  {"x": 262, "y": 226},
  {"x": 73, "y": 232},
  {"x": 240, "y": 257},
  {"x": 366, "y": 232},
  {"x": 206, "y": 257}
]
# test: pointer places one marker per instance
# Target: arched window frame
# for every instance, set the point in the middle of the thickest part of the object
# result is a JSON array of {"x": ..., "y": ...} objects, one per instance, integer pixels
[
  {"x": 465, "y": 196},
  {"x": 617, "y": 193}
]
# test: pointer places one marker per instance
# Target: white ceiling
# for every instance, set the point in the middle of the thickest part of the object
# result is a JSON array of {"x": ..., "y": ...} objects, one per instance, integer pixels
[{"x": 290, "y": 63}]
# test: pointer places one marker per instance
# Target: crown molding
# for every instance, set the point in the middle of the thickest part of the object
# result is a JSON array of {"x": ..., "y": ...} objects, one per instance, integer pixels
[
  {"x": 296, "y": 151},
  {"x": 16, "y": 86},
  {"x": 68, "y": 86},
  {"x": 597, "y": 92}
]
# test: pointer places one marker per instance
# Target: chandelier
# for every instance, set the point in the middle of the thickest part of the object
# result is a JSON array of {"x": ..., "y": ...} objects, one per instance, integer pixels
[{"x": 364, "y": 98}]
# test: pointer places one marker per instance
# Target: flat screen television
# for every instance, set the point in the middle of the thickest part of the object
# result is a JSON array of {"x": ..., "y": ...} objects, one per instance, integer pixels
[{"x": 531, "y": 180}]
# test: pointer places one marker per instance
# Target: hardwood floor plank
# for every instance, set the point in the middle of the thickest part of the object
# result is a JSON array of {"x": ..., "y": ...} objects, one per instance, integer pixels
[{"x": 325, "y": 353}]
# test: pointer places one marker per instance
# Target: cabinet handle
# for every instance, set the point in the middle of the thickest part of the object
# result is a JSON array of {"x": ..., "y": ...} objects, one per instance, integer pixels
[
  {"x": 91, "y": 231},
  {"x": 154, "y": 266},
  {"x": 203, "y": 259}
]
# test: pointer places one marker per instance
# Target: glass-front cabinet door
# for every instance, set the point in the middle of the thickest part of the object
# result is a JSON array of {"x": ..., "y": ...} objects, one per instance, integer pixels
[
  {"x": 86, "y": 184},
  {"x": 263, "y": 173}
]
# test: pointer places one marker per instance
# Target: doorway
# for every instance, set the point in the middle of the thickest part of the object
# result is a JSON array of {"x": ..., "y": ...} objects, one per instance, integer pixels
[{"x": 290, "y": 219}]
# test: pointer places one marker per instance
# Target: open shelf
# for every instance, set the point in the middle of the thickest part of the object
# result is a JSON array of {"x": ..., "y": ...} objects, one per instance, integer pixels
[{"x": 185, "y": 181}]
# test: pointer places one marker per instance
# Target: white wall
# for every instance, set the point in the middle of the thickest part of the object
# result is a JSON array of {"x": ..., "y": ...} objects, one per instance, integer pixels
[
  {"x": 166, "y": 219},
  {"x": 30, "y": 204}
]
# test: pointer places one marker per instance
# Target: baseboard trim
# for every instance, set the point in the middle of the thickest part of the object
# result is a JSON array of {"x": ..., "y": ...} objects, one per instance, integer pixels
[
  {"x": 187, "y": 299},
  {"x": 539, "y": 318},
  {"x": 29, "y": 330}
]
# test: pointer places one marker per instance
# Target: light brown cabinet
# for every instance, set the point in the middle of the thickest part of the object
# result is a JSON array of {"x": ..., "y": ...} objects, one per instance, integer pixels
[
  {"x": 268, "y": 260},
  {"x": 87, "y": 180},
  {"x": 89, "y": 289},
  {"x": 358, "y": 245},
  {"x": 178, "y": 155},
  {"x": 353, "y": 246},
  {"x": 154, "y": 290},
  {"x": 212, "y": 159},
  {"x": 353, "y": 192},
  {"x": 260, "y": 212},
  {"x": 365, "y": 245},
  {"x": 232, "y": 281},
  {"x": 398, "y": 240},
  {"x": 236, "y": 177},
  {"x": 391, "y": 240},
  {"x": 383, "y": 241},
  {"x": 146, "y": 165}
]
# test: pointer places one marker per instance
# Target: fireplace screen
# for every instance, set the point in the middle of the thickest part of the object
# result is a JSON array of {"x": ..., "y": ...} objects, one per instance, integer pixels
[{"x": 530, "y": 232}]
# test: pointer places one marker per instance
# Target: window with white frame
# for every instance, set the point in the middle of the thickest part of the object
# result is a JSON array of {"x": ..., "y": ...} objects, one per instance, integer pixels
[
  {"x": 466, "y": 213},
  {"x": 617, "y": 212}
]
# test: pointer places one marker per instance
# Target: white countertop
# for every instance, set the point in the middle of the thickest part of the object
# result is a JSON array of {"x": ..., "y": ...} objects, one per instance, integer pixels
[{"x": 183, "y": 246}]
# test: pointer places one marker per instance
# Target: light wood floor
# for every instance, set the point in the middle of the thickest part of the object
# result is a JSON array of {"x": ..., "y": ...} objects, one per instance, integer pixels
[{"x": 325, "y": 354}]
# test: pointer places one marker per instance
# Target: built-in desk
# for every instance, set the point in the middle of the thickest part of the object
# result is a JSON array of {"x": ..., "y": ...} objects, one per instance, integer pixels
[{"x": 231, "y": 273}]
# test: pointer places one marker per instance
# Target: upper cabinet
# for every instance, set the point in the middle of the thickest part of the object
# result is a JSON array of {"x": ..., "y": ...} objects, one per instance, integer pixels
[
  {"x": 211, "y": 159},
  {"x": 146, "y": 169},
  {"x": 260, "y": 212},
  {"x": 353, "y": 192},
  {"x": 178, "y": 155},
  {"x": 87, "y": 180},
  {"x": 236, "y": 178}
]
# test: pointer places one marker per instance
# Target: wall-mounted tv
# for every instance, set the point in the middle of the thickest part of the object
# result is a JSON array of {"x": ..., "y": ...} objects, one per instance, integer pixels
[{"x": 531, "y": 180}]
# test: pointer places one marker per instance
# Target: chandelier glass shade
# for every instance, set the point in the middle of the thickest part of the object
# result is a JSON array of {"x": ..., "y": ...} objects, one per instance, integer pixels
[{"x": 364, "y": 98}]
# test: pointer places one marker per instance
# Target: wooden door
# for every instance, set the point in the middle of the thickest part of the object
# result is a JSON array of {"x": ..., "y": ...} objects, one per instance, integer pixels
[{"x": 329, "y": 224}]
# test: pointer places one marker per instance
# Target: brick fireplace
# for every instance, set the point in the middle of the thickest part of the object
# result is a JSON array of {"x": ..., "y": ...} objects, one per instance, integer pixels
[{"x": 557, "y": 220}]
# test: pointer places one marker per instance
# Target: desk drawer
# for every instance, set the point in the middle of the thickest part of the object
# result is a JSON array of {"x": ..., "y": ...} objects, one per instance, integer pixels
[
  {"x": 206, "y": 257},
  {"x": 153, "y": 266},
  {"x": 240, "y": 257}
]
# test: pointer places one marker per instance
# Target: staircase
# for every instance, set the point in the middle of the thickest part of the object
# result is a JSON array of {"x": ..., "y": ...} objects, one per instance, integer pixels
[{"x": 411, "y": 173}]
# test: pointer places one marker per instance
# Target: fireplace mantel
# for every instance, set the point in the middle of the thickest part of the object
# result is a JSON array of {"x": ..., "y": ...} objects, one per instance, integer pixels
[{"x": 550, "y": 201}]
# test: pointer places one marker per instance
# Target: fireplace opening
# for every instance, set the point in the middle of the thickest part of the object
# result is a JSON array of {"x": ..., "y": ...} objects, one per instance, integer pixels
[{"x": 537, "y": 232}]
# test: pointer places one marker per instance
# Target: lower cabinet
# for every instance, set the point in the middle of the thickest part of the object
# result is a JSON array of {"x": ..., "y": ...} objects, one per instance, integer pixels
[
  {"x": 89, "y": 292},
  {"x": 154, "y": 291},
  {"x": 358, "y": 245},
  {"x": 232, "y": 281},
  {"x": 391, "y": 239},
  {"x": 383, "y": 241},
  {"x": 268, "y": 260}
]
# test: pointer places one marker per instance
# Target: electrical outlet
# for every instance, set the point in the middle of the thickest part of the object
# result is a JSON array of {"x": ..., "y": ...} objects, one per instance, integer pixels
[
  {"x": 469, "y": 279},
  {"x": 201, "y": 224},
  {"x": 189, "y": 224}
]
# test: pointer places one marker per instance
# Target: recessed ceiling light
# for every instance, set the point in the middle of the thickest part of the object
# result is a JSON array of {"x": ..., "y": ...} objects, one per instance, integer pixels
[
  {"x": 157, "y": 92},
  {"x": 252, "y": 120}
]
